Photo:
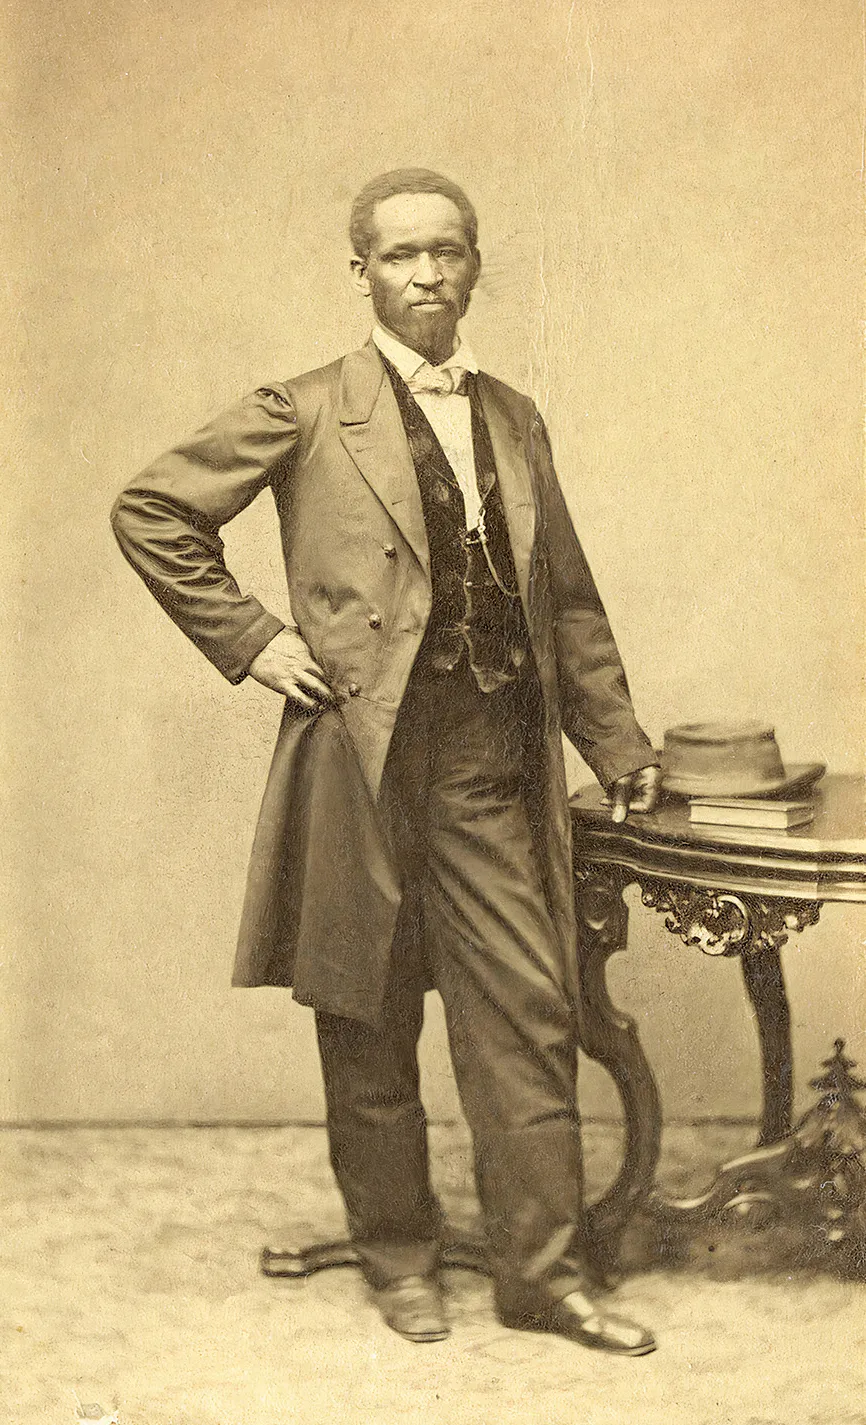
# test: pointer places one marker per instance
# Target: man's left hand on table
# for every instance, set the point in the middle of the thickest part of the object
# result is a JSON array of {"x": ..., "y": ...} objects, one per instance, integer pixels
[{"x": 637, "y": 791}]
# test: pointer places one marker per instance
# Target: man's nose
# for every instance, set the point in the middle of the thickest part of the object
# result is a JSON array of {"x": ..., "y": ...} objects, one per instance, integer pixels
[{"x": 427, "y": 271}]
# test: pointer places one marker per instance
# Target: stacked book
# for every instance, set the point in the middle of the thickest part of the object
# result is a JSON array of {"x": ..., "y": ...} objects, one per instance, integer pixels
[{"x": 762, "y": 812}]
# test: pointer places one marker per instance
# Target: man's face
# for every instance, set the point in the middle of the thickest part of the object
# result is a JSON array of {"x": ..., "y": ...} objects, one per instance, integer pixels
[{"x": 420, "y": 271}]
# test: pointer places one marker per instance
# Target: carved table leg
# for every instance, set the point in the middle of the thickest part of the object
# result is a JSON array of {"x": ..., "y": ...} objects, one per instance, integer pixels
[
  {"x": 754, "y": 928},
  {"x": 611, "y": 1038},
  {"x": 765, "y": 984}
]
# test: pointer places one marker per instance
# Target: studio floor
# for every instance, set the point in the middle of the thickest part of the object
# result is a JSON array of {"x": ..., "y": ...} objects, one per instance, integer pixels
[{"x": 130, "y": 1278}]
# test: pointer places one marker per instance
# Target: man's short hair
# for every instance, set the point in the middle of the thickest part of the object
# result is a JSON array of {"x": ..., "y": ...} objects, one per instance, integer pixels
[{"x": 405, "y": 180}]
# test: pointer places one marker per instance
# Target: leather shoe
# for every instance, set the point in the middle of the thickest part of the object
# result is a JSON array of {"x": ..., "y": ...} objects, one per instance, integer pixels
[
  {"x": 413, "y": 1307},
  {"x": 578, "y": 1318}
]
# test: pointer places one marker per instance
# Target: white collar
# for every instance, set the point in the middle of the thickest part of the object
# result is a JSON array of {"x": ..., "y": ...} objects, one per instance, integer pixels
[{"x": 408, "y": 362}]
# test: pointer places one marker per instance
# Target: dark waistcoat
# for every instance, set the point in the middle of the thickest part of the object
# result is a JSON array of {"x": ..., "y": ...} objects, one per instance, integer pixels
[{"x": 476, "y": 612}]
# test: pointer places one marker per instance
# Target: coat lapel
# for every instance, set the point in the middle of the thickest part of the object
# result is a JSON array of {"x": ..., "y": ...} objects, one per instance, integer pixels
[
  {"x": 372, "y": 432},
  {"x": 515, "y": 486}
]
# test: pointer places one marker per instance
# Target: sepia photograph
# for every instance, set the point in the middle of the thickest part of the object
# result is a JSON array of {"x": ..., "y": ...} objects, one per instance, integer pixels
[{"x": 434, "y": 985}]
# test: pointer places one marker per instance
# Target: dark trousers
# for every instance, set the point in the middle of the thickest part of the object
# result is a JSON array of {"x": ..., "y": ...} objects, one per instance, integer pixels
[{"x": 474, "y": 923}]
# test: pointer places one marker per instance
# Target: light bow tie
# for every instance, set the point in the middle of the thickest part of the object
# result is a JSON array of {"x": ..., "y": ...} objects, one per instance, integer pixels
[{"x": 437, "y": 380}]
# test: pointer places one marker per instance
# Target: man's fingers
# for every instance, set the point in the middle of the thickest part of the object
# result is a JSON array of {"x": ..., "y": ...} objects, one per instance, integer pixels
[
  {"x": 310, "y": 667},
  {"x": 312, "y": 683},
  {"x": 647, "y": 790},
  {"x": 295, "y": 695},
  {"x": 621, "y": 791},
  {"x": 301, "y": 686},
  {"x": 287, "y": 666}
]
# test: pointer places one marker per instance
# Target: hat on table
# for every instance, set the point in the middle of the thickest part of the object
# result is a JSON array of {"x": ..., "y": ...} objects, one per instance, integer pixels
[{"x": 731, "y": 759}]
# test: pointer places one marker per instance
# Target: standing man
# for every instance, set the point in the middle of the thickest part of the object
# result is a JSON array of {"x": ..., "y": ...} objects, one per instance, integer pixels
[{"x": 415, "y": 829}]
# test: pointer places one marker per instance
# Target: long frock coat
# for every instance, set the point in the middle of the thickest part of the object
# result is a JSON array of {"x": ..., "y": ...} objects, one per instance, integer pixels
[{"x": 322, "y": 895}]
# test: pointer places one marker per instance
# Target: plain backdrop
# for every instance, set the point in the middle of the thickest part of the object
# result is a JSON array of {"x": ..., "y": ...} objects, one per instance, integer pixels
[{"x": 669, "y": 194}]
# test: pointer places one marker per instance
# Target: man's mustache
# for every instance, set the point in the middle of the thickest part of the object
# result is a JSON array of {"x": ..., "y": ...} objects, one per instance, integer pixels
[{"x": 458, "y": 305}]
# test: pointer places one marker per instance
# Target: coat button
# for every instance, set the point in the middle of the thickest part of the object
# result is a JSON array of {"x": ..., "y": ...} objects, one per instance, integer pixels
[
  {"x": 375, "y": 620},
  {"x": 390, "y": 551},
  {"x": 354, "y": 689}
]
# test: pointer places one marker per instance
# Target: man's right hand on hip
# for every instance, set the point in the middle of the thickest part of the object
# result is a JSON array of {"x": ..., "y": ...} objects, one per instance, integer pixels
[{"x": 287, "y": 665}]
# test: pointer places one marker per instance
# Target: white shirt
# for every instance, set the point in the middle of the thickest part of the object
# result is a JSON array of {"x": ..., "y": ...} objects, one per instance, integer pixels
[{"x": 450, "y": 416}]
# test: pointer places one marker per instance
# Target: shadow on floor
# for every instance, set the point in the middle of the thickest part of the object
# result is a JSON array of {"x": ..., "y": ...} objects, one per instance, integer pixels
[{"x": 129, "y": 1272}]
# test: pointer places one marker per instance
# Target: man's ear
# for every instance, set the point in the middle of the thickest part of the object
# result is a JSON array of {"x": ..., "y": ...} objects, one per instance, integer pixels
[
  {"x": 360, "y": 280},
  {"x": 476, "y": 258}
]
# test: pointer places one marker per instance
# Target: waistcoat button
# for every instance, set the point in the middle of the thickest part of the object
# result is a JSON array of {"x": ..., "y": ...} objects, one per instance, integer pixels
[
  {"x": 375, "y": 620},
  {"x": 354, "y": 689},
  {"x": 390, "y": 551}
]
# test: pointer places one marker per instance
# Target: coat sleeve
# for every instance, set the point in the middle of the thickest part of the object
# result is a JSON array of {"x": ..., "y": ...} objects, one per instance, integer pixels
[
  {"x": 596, "y": 708},
  {"x": 167, "y": 523}
]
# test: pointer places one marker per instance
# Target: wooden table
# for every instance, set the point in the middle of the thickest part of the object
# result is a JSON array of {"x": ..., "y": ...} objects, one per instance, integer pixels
[{"x": 726, "y": 891}]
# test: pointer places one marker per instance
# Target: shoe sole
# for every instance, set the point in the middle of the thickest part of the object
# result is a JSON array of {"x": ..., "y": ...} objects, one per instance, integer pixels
[
  {"x": 420, "y": 1338},
  {"x": 540, "y": 1323}
]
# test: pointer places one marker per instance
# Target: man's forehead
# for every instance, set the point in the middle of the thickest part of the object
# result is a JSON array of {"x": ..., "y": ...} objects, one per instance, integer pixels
[{"x": 416, "y": 214}]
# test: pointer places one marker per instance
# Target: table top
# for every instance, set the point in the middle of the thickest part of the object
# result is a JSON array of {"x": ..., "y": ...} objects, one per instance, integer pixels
[{"x": 824, "y": 860}]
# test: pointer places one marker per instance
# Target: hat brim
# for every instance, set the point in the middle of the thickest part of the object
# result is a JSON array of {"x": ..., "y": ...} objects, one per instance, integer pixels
[{"x": 799, "y": 779}]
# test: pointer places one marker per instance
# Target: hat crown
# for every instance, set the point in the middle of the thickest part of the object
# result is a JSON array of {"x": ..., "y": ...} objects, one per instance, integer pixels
[
  {"x": 722, "y": 759},
  {"x": 723, "y": 732}
]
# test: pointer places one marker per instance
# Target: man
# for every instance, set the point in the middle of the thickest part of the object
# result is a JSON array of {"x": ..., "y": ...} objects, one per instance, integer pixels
[{"x": 415, "y": 829}]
